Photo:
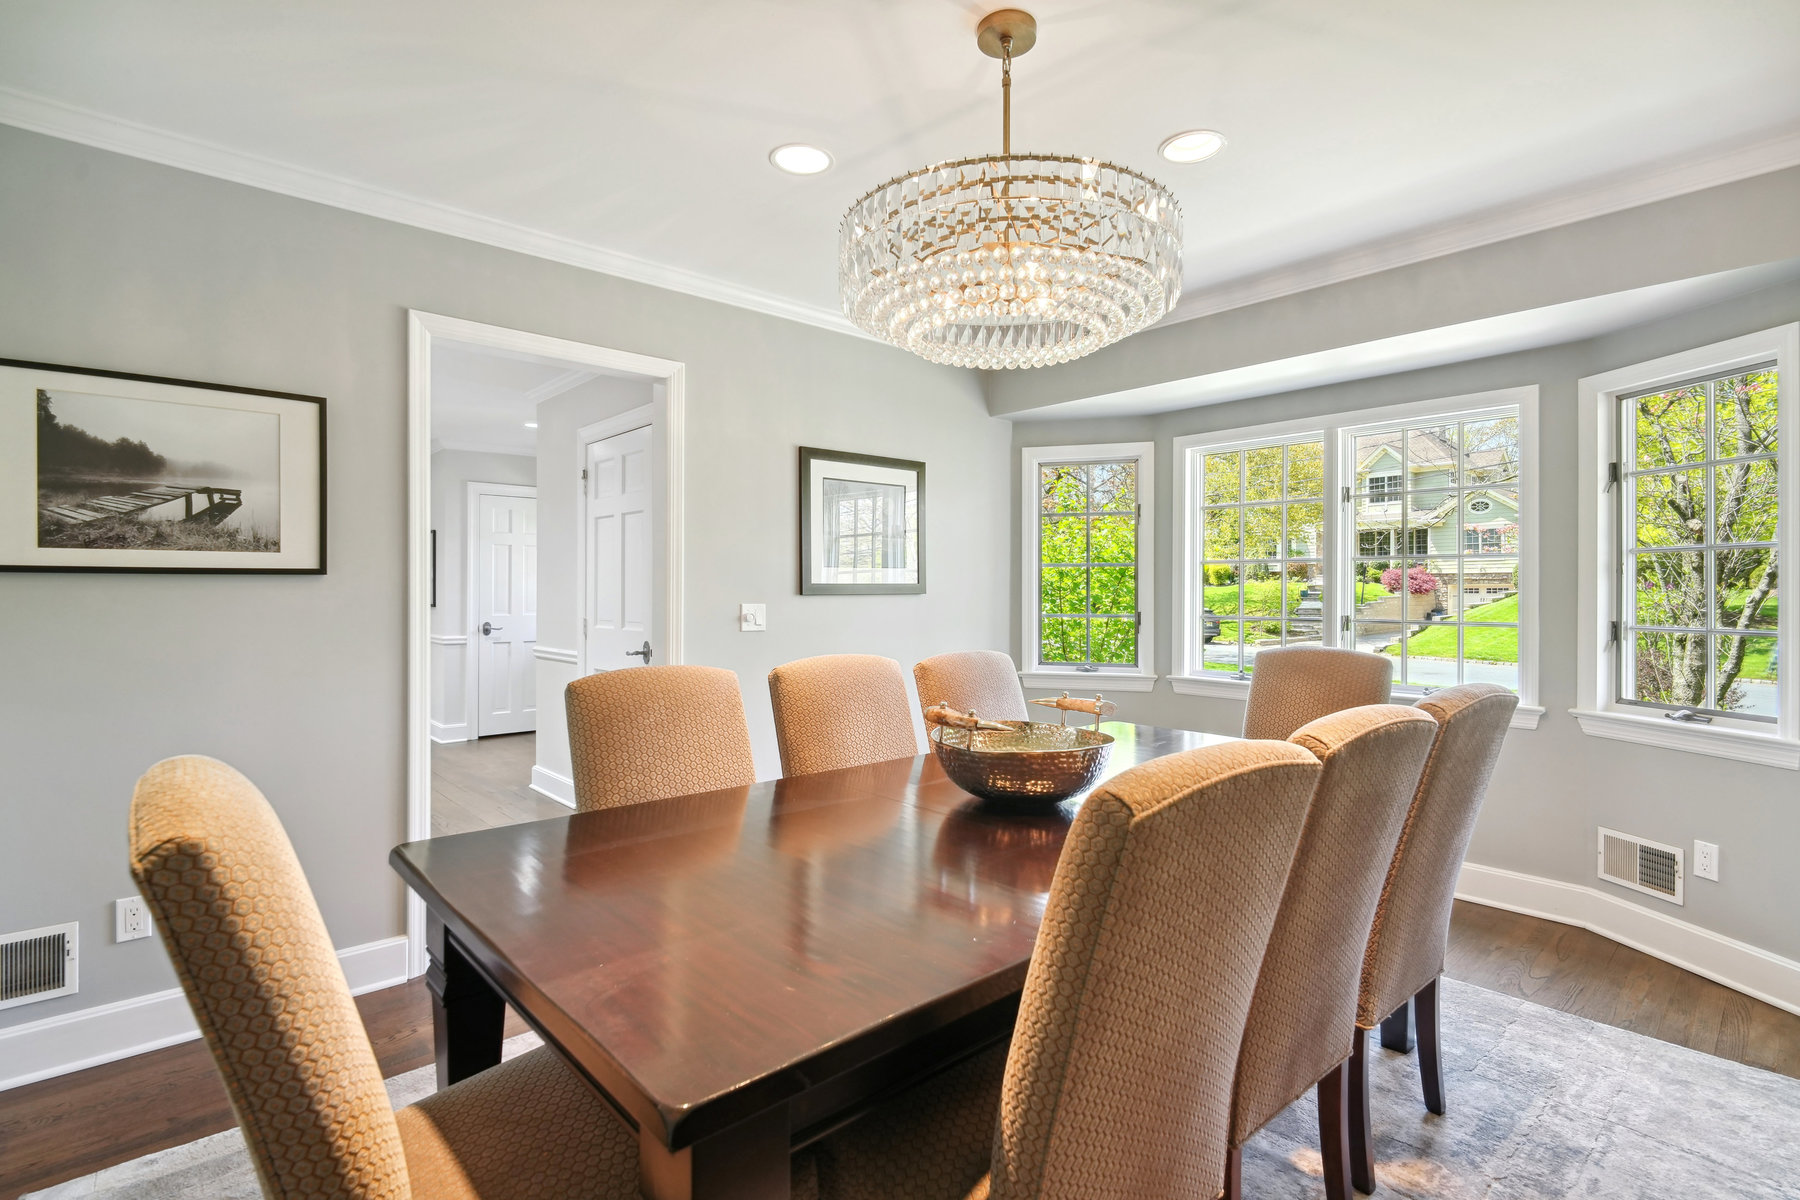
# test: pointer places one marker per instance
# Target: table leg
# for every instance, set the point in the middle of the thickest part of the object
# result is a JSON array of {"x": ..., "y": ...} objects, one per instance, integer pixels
[
  {"x": 468, "y": 1016},
  {"x": 748, "y": 1161}
]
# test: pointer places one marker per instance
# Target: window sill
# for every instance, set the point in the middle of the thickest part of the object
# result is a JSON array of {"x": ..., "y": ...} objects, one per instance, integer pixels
[
  {"x": 1742, "y": 745},
  {"x": 1098, "y": 681},
  {"x": 1228, "y": 687},
  {"x": 1215, "y": 683}
]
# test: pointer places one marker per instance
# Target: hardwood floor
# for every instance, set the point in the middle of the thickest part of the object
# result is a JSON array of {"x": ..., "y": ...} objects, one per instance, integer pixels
[
  {"x": 484, "y": 783},
  {"x": 71, "y": 1126},
  {"x": 1583, "y": 973}
]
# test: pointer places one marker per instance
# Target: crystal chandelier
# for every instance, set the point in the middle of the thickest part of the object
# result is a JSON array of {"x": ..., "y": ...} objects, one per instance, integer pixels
[{"x": 1010, "y": 260}]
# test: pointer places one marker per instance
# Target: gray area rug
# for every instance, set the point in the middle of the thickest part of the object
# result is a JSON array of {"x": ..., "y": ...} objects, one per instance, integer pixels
[{"x": 1542, "y": 1104}]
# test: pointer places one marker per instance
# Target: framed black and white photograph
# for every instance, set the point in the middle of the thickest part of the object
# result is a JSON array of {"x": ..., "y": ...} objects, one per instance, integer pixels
[
  {"x": 104, "y": 471},
  {"x": 862, "y": 524}
]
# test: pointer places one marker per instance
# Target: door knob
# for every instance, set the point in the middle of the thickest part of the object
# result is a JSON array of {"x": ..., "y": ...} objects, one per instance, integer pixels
[
  {"x": 645, "y": 652},
  {"x": 487, "y": 629}
]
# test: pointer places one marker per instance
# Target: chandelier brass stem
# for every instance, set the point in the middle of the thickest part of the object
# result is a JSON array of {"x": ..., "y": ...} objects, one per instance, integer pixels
[{"x": 1006, "y": 95}]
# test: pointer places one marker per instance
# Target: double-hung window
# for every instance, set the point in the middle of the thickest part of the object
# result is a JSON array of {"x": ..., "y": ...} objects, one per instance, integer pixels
[
  {"x": 1405, "y": 531},
  {"x": 1086, "y": 572},
  {"x": 1686, "y": 475}
]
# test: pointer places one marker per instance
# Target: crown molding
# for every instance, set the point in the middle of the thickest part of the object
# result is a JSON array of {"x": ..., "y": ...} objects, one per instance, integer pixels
[
  {"x": 40, "y": 114},
  {"x": 558, "y": 385},
  {"x": 1613, "y": 193},
  {"x": 1596, "y": 198}
]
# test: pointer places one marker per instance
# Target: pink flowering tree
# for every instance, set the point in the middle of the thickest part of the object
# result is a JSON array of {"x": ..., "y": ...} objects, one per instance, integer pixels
[{"x": 1419, "y": 581}]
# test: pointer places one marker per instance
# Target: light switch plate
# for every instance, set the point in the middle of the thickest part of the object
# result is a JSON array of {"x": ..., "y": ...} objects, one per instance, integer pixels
[
  {"x": 131, "y": 919},
  {"x": 1706, "y": 860},
  {"x": 753, "y": 618}
]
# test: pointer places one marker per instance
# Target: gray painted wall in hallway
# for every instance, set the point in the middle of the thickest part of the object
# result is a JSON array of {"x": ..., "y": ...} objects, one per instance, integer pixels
[
  {"x": 1554, "y": 784},
  {"x": 116, "y": 263}
]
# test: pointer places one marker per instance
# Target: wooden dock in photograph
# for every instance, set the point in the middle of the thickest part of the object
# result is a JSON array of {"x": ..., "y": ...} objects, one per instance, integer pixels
[{"x": 219, "y": 504}]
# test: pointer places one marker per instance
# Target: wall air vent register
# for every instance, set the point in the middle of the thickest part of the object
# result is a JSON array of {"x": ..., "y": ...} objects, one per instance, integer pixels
[
  {"x": 37, "y": 964},
  {"x": 1642, "y": 865}
]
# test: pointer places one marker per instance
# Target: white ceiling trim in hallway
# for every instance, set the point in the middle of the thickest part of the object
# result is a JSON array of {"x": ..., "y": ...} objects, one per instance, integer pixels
[{"x": 1629, "y": 189}]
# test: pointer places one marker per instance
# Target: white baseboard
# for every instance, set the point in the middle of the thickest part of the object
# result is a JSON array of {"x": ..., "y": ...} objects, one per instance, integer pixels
[
  {"x": 441, "y": 732},
  {"x": 1738, "y": 965},
  {"x": 559, "y": 788},
  {"x": 108, "y": 1032}
]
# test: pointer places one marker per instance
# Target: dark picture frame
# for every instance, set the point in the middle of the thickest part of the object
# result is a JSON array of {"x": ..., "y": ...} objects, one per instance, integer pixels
[
  {"x": 859, "y": 513},
  {"x": 176, "y": 476}
]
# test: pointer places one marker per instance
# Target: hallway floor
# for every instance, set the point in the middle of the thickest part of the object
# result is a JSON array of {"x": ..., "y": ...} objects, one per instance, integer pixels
[{"x": 484, "y": 783}]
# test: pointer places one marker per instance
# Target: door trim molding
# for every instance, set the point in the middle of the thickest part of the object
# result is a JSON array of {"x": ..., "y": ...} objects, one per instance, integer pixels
[
  {"x": 423, "y": 329},
  {"x": 473, "y": 492}
]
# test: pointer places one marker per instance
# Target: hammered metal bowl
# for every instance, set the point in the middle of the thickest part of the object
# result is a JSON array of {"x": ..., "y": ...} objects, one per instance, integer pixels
[{"x": 1032, "y": 763}]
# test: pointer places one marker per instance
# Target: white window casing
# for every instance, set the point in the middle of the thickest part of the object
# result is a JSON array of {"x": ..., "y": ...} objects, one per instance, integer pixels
[
  {"x": 1034, "y": 672},
  {"x": 1597, "y": 707},
  {"x": 1187, "y": 677}
]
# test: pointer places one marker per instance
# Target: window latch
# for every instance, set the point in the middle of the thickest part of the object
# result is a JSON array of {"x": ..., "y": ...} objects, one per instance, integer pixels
[
  {"x": 1612, "y": 475},
  {"x": 1690, "y": 716},
  {"x": 1614, "y": 639}
]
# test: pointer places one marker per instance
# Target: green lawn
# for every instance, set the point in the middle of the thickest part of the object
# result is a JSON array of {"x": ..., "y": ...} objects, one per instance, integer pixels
[
  {"x": 1489, "y": 645},
  {"x": 1263, "y": 597}
]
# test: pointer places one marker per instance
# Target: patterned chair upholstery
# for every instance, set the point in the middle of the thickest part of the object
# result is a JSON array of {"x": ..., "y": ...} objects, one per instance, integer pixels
[
  {"x": 1297, "y": 684},
  {"x": 253, "y": 956},
  {"x": 650, "y": 733},
  {"x": 1118, "y": 1079},
  {"x": 840, "y": 710},
  {"x": 1298, "y": 1032},
  {"x": 981, "y": 681},
  {"x": 1411, "y": 931}
]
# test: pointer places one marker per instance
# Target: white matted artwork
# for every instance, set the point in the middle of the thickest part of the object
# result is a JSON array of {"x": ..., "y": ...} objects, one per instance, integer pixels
[
  {"x": 862, "y": 524},
  {"x": 103, "y": 471}
]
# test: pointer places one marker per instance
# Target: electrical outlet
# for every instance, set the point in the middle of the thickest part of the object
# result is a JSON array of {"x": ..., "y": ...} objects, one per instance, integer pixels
[
  {"x": 753, "y": 618},
  {"x": 1706, "y": 860},
  {"x": 131, "y": 919}
]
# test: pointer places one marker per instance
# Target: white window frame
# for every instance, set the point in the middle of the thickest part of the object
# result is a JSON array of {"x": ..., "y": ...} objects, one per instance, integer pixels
[
  {"x": 1189, "y": 679},
  {"x": 1058, "y": 676},
  {"x": 1596, "y": 708}
]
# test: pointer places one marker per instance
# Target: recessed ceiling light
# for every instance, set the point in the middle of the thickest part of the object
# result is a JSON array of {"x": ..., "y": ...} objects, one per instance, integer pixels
[
  {"x": 531, "y": 424},
  {"x": 797, "y": 158},
  {"x": 1193, "y": 146}
]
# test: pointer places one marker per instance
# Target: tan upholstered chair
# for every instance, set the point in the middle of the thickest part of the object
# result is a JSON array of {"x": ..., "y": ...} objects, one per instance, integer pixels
[
  {"x": 1298, "y": 1033},
  {"x": 1411, "y": 932},
  {"x": 1118, "y": 1078},
  {"x": 981, "y": 681},
  {"x": 650, "y": 733},
  {"x": 1297, "y": 684},
  {"x": 840, "y": 710},
  {"x": 258, "y": 968}
]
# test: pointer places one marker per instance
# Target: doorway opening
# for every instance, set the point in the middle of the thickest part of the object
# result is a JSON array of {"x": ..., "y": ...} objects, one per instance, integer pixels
[{"x": 545, "y": 532}]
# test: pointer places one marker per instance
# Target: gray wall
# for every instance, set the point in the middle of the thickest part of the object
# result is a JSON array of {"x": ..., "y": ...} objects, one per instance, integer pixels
[
  {"x": 116, "y": 263},
  {"x": 1554, "y": 784}
]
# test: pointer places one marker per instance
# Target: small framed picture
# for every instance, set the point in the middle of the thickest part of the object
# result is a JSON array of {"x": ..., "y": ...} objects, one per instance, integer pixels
[
  {"x": 104, "y": 471},
  {"x": 862, "y": 524}
]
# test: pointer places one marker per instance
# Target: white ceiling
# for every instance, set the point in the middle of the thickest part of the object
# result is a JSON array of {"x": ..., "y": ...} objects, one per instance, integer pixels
[
  {"x": 482, "y": 399},
  {"x": 633, "y": 136}
]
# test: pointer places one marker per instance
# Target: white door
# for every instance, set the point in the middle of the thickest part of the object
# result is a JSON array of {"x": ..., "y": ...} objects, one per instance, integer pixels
[
  {"x": 619, "y": 518},
  {"x": 506, "y": 612}
]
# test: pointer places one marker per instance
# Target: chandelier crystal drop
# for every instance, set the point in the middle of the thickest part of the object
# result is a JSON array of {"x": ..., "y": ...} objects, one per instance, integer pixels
[{"x": 1010, "y": 260}]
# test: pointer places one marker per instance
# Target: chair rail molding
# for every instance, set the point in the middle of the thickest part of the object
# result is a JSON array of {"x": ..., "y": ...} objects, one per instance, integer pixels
[
  {"x": 105, "y": 1033},
  {"x": 553, "y": 654}
]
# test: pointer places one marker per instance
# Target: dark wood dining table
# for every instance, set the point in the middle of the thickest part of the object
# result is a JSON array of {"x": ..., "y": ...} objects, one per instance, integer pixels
[{"x": 740, "y": 972}]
